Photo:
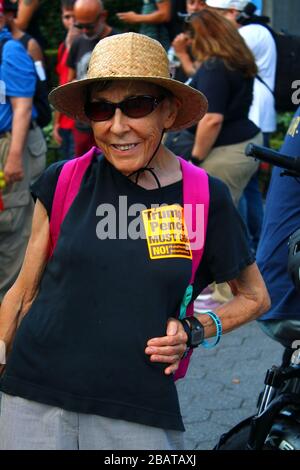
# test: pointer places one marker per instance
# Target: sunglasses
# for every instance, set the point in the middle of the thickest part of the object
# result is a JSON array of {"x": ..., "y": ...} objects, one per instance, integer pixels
[
  {"x": 88, "y": 26},
  {"x": 134, "y": 107}
]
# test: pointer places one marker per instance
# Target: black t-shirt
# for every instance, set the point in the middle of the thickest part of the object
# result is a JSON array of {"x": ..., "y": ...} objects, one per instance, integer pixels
[
  {"x": 81, "y": 345},
  {"x": 228, "y": 93},
  {"x": 80, "y": 54}
]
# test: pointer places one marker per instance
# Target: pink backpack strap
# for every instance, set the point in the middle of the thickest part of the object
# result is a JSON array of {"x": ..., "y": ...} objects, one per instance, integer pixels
[
  {"x": 68, "y": 185},
  {"x": 195, "y": 193}
]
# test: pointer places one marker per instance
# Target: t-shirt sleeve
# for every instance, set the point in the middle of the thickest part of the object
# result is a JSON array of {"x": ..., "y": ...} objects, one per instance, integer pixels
[
  {"x": 44, "y": 188},
  {"x": 226, "y": 251},
  {"x": 212, "y": 80},
  {"x": 18, "y": 71}
]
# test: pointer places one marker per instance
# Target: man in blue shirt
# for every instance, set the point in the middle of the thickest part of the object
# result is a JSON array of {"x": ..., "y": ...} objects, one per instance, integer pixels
[
  {"x": 20, "y": 140},
  {"x": 282, "y": 218}
]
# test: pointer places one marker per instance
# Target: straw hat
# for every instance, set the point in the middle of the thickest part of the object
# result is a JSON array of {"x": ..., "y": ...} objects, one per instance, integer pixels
[{"x": 129, "y": 56}]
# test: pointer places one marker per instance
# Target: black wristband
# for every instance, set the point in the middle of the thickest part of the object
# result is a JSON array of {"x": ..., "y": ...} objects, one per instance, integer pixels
[{"x": 194, "y": 330}]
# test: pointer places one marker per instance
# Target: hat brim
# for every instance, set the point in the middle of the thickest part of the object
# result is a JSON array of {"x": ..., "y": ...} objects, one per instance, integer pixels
[{"x": 70, "y": 99}]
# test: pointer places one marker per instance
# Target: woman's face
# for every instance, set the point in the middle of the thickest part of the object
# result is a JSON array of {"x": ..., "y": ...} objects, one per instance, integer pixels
[
  {"x": 129, "y": 143},
  {"x": 192, "y": 6}
]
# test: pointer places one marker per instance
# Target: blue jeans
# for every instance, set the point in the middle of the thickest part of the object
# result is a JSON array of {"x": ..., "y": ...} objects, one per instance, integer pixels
[
  {"x": 251, "y": 210},
  {"x": 66, "y": 150},
  {"x": 251, "y": 206}
]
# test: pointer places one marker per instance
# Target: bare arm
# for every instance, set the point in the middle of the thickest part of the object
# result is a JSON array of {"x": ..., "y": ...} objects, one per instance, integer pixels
[
  {"x": 35, "y": 51},
  {"x": 26, "y": 9},
  {"x": 207, "y": 133},
  {"x": 22, "y": 108},
  {"x": 71, "y": 74},
  {"x": 161, "y": 15},
  {"x": 55, "y": 134},
  {"x": 250, "y": 300},
  {"x": 19, "y": 298},
  {"x": 181, "y": 43}
]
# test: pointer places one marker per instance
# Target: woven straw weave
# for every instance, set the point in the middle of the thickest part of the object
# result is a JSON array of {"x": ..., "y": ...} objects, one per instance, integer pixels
[{"x": 130, "y": 56}]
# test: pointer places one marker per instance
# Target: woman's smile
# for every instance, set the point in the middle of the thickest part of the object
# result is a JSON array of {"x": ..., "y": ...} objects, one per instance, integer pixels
[{"x": 125, "y": 148}]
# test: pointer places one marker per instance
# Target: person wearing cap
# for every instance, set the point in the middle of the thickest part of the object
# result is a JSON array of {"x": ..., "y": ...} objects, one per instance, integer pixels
[
  {"x": 22, "y": 151},
  {"x": 92, "y": 360}
]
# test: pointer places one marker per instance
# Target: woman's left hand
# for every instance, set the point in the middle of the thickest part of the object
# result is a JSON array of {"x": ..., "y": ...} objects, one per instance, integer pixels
[{"x": 170, "y": 348}]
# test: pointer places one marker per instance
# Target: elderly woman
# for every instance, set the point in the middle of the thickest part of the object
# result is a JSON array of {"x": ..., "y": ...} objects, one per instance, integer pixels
[{"x": 98, "y": 339}]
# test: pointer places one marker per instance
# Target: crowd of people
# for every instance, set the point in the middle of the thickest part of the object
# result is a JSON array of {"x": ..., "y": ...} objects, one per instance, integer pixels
[{"x": 71, "y": 307}]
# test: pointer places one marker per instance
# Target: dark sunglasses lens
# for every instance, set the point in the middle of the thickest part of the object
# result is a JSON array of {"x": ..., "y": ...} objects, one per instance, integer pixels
[
  {"x": 138, "y": 107},
  {"x": 99, "y": 110},
  {"x": 84, "y": 26}
]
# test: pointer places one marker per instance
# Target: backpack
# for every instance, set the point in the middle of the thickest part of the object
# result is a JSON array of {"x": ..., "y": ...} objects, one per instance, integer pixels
[
  {"x": 40, "y": 98},
  {"x": 287, "y": 68},
  {"x": 195, "y": 191}
]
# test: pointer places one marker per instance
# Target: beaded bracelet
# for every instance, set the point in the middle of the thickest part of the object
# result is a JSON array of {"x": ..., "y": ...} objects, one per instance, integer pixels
[{"x": 206, "y": 344}]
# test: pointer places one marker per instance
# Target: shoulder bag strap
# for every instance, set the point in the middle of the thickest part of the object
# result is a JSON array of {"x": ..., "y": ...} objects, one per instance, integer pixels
[
  {"x": 67, "y": 188},
  {"x": 196, "y": 208}
]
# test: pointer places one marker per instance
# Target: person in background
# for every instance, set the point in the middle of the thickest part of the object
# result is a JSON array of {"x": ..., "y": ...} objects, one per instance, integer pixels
[
  {"x": 226, "y": 77},
  {"x": 28, "y": 19},
  {"x": 63, "y": 125},
  {"x": 32, "y": 46},
  {"x": 262, "y": 112},
  {"x": 182, "y": 43},
  {"x": 90, "y": 20},
  {"x": 151, "y": 20},
  {"x": 281, "y": 220},
  {"x": 22, "y": 147},
  {"x": 34, "y": 50},
  {"x": 178, "y": 12}
]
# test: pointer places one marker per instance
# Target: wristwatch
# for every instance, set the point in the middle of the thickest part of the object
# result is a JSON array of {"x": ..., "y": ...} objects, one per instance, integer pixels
[{"x": 194, "y": 330}]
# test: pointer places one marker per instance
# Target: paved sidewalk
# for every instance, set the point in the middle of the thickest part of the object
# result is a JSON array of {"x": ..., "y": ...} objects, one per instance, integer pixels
[{"x": 223, "y": 384}]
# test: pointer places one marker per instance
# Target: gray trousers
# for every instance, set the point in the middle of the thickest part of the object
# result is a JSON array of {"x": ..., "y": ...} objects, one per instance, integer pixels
[
  {"x": 230, "y": 164},
  {"x": 28, "y": 425}
]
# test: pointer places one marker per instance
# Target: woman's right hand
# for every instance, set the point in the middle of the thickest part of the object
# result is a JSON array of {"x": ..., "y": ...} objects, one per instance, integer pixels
[{"x": 180, "y": 43}]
